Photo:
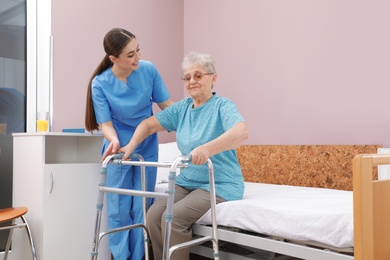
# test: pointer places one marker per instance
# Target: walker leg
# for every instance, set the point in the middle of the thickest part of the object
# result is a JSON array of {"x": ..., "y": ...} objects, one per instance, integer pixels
[
  {"x": 169, "y": 214},
  {"x": 99, "y": 208}
]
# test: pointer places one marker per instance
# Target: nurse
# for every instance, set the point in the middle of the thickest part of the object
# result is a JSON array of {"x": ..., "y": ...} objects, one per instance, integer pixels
[{"x": 120, "y": 95}]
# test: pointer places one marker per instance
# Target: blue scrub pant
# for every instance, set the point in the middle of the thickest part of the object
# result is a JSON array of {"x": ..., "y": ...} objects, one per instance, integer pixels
[{"x": 126, "y": 210}]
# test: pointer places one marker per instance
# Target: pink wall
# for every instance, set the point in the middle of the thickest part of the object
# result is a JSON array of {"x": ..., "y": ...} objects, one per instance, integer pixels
[
  {"x": 78, "y": 28},
  {"x": 301, "y": 72}
]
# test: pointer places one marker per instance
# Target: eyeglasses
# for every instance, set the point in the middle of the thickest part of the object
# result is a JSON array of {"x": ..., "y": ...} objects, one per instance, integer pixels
[{"x": 198, "y": 76}]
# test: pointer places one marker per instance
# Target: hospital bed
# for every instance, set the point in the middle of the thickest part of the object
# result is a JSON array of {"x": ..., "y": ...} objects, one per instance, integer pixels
[{"x": 302, "y": 201}]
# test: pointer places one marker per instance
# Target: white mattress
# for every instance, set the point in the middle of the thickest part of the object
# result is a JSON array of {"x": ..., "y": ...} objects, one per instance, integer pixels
[{"x": 290, "y": 212}]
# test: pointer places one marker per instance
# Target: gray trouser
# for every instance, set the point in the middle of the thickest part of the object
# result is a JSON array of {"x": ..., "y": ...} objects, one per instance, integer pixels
[{"x": 189, "y": 206}]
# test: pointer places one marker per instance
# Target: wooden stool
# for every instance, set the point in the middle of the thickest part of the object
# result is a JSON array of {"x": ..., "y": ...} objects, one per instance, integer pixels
[{"x": 11, "y": 214}]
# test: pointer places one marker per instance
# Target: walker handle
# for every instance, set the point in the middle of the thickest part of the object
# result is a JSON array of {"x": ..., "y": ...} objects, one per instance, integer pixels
[
  {"x": 131, "y": 156},
  {"x": 187, "y": 158}
]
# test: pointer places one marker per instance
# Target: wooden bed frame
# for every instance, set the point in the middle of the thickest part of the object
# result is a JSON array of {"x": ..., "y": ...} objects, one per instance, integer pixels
[
  {"x": 343, "y": 167},
  {"x": 371, "y": 209}
]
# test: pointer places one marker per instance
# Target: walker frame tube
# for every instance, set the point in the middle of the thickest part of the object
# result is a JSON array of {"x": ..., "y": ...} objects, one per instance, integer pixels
[{"x": 179, "y": 162}]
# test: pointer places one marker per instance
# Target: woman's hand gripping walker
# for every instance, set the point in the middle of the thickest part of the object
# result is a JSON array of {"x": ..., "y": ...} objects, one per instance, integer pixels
[{"x": 179, "y": 162}]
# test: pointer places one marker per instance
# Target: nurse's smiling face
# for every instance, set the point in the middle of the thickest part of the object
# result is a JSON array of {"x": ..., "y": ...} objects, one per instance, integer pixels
[{"x": 128, "y": 58}]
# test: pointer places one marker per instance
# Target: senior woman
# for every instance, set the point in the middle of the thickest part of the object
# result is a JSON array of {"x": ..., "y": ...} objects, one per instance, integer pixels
[{"x": 207, "y": 126}]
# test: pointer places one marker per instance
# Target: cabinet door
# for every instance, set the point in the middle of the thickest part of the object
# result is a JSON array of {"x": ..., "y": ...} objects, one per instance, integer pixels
[{"x": 69, "y": 212}]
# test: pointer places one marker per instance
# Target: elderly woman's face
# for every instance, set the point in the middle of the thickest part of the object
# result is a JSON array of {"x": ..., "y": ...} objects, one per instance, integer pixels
[{"x": 199, "y": 82}]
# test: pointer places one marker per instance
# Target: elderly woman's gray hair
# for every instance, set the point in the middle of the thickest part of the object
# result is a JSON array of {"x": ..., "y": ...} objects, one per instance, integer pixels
[{"x": 203, "y": 59}]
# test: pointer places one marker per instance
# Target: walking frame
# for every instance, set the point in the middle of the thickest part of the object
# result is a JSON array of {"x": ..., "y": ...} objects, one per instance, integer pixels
[{"x": 179, "y": 162}]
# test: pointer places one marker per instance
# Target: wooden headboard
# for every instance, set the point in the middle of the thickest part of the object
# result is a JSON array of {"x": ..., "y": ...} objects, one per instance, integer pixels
[{"x": 323, "y": 166}]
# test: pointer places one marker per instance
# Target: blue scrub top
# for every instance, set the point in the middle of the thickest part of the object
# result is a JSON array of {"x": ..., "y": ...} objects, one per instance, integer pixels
[
  {"x": 197, "y": 126},
  {"x": 126, "y": 105}
]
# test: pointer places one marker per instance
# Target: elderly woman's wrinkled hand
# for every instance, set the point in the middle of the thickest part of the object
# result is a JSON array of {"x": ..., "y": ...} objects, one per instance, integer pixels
[
  {"x": 200, "y": 155},
  {"x": 127, "y": 151}
]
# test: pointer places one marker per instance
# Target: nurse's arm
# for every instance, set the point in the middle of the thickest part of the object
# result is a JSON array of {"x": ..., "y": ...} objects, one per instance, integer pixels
[
  {"x": 165, "y": 104},
  {"x": 144, "y": 129},
  {"x": 110, "y": 134}
]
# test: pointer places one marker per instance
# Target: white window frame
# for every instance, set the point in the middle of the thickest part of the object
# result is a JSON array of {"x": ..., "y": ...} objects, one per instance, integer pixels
[{"x": 39, "y": 61}]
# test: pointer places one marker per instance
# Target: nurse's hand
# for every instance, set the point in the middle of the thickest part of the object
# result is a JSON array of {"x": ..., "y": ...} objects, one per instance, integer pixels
[{"x": 112, "y": 148}]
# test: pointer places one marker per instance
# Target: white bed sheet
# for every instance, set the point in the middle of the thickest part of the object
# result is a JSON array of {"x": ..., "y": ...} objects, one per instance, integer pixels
[{"x": 289, "y": 212}]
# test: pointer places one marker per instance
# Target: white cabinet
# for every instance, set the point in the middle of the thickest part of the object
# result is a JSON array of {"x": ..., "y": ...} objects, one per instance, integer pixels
[{"x": 56, "y": 176}]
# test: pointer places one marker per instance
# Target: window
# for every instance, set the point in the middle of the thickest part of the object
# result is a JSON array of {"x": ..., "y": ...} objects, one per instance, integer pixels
[{"x": 12, "y": 92}]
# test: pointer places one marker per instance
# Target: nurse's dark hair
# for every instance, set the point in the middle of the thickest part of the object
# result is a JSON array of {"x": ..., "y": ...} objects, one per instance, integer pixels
[{"x": 114, "y": 42}]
